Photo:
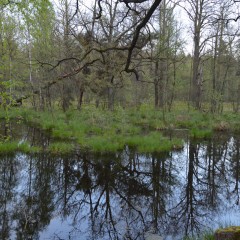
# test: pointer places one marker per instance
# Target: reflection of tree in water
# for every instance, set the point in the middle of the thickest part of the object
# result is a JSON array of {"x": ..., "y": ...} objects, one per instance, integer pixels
[
  {"x": 35, "y": 206},
  {"x": 132, "y": 190},
  {"x": 99, "y": 186},
  {"x": 123, "y": 194},
  {"x": 186, "y": 214},
  {"x": 162, "y": 180},
  {"x": 235, "y": 169},
  {"x": 23, "y": 213},
  {"x": 214, "y": 170},
  {"x": 118, "y": 196},
  {"x": 8, "y": 165},
  {"x": 204, "y": 184},
  {"x": 16, "y": 131}
]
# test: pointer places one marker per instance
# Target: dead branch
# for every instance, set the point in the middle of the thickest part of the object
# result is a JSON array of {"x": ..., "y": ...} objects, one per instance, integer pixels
[{"x": 136, "y": 36}]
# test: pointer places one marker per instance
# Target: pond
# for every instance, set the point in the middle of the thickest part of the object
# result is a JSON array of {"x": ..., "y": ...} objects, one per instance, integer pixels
[{"x": 121, "y": 195}]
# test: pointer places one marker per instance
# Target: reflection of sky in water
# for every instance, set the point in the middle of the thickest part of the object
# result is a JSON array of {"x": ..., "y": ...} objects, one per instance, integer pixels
[
  {"x": 132, "y": 192},
  {"x": 58, "y": 229}
]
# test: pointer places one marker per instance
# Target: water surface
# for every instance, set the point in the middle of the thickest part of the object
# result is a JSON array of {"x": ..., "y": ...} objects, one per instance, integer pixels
[{"x": 120, "y": 195}]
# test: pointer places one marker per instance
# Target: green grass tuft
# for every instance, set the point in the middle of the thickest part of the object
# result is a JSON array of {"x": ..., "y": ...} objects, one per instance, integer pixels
[
  {"x": 8, "y": 147},
  {"x": 60, "y": 148},
  {"x": 104, "y": 144},
  {"x": 12, "y": 147},
  {"x": 201, "y": 133},
  {"x": 153, "y": 142}
]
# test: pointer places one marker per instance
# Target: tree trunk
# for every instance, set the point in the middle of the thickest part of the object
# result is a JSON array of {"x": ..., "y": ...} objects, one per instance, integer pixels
[
  {"x": 197, "y": 77},
  {"x": 156, "y": 87},
  {"x": 80, "y": 100},
  {"x": 111, "y": 96}
]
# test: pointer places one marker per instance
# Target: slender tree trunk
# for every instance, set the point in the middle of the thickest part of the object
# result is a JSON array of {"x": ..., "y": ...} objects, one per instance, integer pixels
[
  {"x": 80, "y": 99},
  {"x": 197, "y": 77},
  {"x": 111, "y": 95},
  {"x": 162, "y": 54},
  {"x": 161, "y": 61},
  {"x": 30, "y": 65},
  {"x": 156, "y": 85},
  {"x": 213, "y": 97}
]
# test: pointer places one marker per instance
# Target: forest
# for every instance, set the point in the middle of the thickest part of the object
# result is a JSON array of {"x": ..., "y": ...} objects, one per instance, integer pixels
[
  {"x": 112, "y": 53},
  {"x": 103, "y": 71}
]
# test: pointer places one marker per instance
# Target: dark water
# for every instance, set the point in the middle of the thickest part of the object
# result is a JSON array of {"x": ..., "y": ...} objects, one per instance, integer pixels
[{"x": 121, "y": 195}]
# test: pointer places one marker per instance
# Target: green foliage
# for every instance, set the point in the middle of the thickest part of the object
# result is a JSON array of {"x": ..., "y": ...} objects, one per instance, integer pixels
[
  {"x": 26, "y": 148},
  {"x": 6, "y": 100}
]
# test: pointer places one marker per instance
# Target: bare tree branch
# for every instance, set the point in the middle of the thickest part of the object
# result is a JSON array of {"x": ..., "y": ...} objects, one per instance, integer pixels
[
  {"x": 76, "y": 11},
  {"x": 136, "y": 35},
  {"x": 100, "y": 9}
]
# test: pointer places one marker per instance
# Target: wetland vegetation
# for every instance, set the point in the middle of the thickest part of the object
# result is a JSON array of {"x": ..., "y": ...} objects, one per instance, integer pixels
[{"x": 100, "y": 130}]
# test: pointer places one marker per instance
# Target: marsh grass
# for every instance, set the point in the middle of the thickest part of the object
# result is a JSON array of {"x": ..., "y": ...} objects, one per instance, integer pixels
[
  {"x": 60, "y": 148},
  {"x": 153, "y": 142},
  {"x": 26, "y": 148},
  {"x": 102, "y": 130},
  {"x": 8, "y": 147},
  {"x": 104, "y": 143},
  {"x": 14, "y": 146},
  {"x": 201, "y": 133}
]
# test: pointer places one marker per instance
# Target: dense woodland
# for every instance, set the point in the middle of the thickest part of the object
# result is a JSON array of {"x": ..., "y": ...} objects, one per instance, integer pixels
[{"x": 112, "y": 53}]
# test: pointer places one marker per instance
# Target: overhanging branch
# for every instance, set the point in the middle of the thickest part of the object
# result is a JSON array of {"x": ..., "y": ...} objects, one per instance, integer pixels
[{"x": 142, "y": 24}]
